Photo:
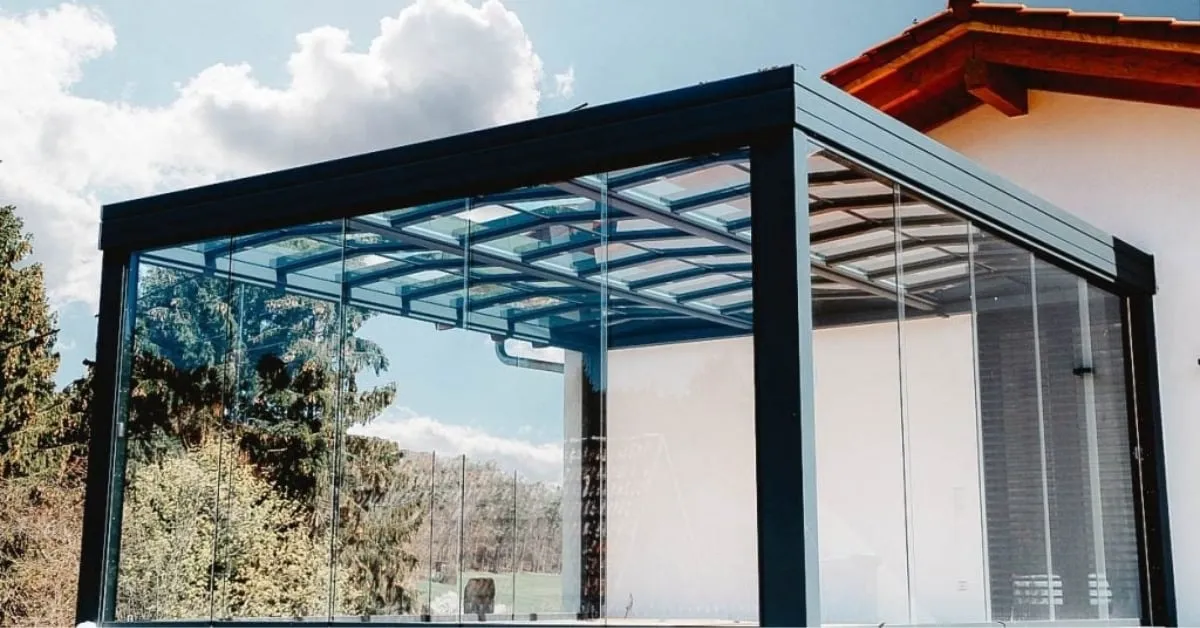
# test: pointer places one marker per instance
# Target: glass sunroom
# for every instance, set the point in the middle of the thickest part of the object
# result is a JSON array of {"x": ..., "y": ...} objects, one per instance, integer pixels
[{"x": 748, "y": 352}]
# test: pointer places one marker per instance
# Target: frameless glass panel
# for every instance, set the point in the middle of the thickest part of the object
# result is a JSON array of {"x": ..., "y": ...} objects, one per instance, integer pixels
[
  {"x": 1022, "y": 583},
  {"x": 398, "y": 504},
  {"x": 861, "y": 475},
  {"x": 446, "y": 529},
  {"x": 538, "y": 290},
  {"x": 273, "y": 544},
  {"x": 1002, "y": 486},
  {"x": 1117, "y": 589},
  {"x": 175, "y": 392},
  {"x": 1083, "y": 398},
  {"x": 420, "y": 505},
  {"x": 489, "y": 579},
  {"x": 941, "y": 428},
  {"x": 539, "y": 551},
  {"x": 676, "y": 466}
]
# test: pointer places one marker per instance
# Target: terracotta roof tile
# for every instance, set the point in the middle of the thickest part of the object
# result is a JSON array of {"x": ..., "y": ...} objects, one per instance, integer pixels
[
  {"x": 1094, "y": 23},
  {"x": 892, "y": 48},
  {"x": 1049, "y": 19},
  {"x": 925, "y": 30},
  {"x": 1018, "y": 15},
  {"x": 877, "y": 56},
  {"x": 1145, "y": 27},
  {"x": 999, "y": 14}
]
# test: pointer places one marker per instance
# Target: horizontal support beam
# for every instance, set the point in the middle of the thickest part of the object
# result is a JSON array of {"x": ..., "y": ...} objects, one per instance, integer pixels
[
  {"x": 642, "y": 176},
  {"x": 836, "y": 177},
  {"x": 400, "y": 269},
  {"x": 663, "y": 215},
  {"x": 871, "y": 287},
  {"x": 825, "y": 236},
  {"x": 304, "y": 261},
  {"x": 590, "y": 239},
  {"x": 549, "y": 275},
  {"x": 714, "y": 291},
  {"x": 223, "y": 246},
  {"x": 893, "y": 248},
  {"x": 330, "y": 291},
  {"x": 651, "y": 256},
  {"x": 520, "y": 294},
  {"x": 522, "y": 223},
  {"x": 709, "y": 199},
  {"x": 941, "y": 282}
]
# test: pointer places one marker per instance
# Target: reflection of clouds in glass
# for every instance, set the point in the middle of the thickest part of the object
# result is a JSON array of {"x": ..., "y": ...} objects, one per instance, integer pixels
[
  {"x": 541, "y": 462},
  {"x": 524, "y": 349}
]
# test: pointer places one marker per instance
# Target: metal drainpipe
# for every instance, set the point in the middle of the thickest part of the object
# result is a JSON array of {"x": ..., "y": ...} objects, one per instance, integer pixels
[{"x": 527, "y": 363}]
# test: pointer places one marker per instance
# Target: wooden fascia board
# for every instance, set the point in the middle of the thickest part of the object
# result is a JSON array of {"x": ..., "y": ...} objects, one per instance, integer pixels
[
  {"x": 1083, "y": 38},
  {"x": 891, "y": 67}
]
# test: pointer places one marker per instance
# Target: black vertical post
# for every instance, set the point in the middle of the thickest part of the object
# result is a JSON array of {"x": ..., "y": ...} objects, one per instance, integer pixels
[
  {"x": 93, "y": 568},
  {"x": 593, "y": 487},
  {"x": 783, "y": 414},
  {"x": 1149, "y": 472}
]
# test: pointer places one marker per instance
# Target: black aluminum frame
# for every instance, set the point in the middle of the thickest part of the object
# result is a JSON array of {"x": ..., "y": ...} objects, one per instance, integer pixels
[{"x": 771, "y": 112}]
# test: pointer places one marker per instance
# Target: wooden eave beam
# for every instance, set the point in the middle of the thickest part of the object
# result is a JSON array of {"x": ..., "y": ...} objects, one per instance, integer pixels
[
  {"x": 1062, "y": 34},
  {"x": 998, "y": 86},
  {"x": 1087, "y": 59}
]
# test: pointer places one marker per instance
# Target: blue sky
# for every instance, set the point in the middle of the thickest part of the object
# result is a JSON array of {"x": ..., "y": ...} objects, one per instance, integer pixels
[{"x": 137, "y": 71}]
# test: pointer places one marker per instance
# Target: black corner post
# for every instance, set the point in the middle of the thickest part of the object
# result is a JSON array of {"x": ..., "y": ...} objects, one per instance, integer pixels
[
  {"x": 783, "y": 407},
  {"x": 1149, "y": 470},
  {"x": 593, "y": 486},
  {"x": 114, "y": 280}
]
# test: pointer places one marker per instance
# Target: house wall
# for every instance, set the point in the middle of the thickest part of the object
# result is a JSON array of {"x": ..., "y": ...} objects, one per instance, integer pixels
[
  {"x": 1129, "y": 169},
  {"x": 681, "y": 487}
]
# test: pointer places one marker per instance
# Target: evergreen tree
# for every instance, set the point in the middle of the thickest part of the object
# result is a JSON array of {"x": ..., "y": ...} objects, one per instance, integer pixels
[
  {"x": 272, "y": 377},
  {"x": 43, "y": 447},
  {"x": 28, "y": 361}
]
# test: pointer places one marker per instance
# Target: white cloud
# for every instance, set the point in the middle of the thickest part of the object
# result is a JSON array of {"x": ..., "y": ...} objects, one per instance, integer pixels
[
  {"x": 438, "y": 67},
  {"x": 421, "y": 433},
  {"x": 564, "y": 83}
]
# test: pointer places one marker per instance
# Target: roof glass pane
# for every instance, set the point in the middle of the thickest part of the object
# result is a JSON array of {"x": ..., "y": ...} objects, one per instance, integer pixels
[
  {"x": 729, "y": 299},
  {"x": 677, "y": 288}
]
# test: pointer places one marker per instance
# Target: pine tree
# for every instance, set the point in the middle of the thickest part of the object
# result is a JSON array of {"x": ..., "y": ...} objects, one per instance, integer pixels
[
  {"x": 28, "y": 361},
  {"x": 43, "y": 441}
]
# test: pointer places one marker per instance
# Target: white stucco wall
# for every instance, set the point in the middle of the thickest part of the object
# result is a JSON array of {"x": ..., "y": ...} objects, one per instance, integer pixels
[
  {"x": 681, "y": 535},
  {"x": 1130, "y": 169},
  {"x": 681, "y": 518}
]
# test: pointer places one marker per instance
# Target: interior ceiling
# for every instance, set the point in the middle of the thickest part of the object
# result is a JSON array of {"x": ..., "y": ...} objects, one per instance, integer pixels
[{"x": 672, "y": 241}]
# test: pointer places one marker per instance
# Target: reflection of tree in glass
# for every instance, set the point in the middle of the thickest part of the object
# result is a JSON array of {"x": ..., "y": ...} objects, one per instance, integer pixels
[{"x": 264, "y": 377}]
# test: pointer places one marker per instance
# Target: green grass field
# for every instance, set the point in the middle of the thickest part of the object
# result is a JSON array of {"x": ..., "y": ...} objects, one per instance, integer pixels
[{"x": 535, "y": 592}]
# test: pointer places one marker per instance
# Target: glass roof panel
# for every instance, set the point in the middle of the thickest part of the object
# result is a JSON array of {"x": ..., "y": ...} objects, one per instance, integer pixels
[
  {"x": 708, "y": 260},
  {"x": 670, "y": 242},
  {"x": 646, "y": 271},
  {"x": 731, "y": 298},
  {"x": 483, "y": 214},
  {"x": 677, "y": 288},
  {"x": 868, "y": 187},
  {"x": 445, "y": 228}
]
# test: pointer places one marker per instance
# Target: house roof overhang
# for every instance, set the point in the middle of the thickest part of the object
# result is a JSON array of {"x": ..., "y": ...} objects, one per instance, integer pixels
[{"x": 974, "y": 53}]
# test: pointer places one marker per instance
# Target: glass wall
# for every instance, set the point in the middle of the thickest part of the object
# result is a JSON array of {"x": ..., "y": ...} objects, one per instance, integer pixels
[
  {"x": 534, "y": 405},
  {"x": 538, "y": 405},
  {"x": 974, "y": 462}
]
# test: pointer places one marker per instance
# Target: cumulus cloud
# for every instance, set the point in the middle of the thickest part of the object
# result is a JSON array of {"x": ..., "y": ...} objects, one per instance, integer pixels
[
  {"x": 436, "y": 68},
  {"x": 414, "y": 432},
  {"x": 440, "y": 67}
]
